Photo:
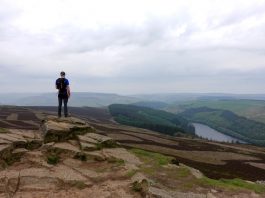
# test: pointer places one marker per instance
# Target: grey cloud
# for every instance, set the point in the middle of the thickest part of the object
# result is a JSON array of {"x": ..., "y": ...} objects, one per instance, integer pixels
[{"x": 145, "y": 57}]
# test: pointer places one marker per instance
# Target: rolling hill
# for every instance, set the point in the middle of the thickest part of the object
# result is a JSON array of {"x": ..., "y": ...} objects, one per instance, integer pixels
[
  {"x": 149, "y": 118},
  {"x": 252, "y": 109}
]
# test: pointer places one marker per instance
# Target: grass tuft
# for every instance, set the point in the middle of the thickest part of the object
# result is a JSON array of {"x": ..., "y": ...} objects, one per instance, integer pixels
[
  {"x": 116, "y": 161},
  {"x": 3, "y": 130},
  {"x": 53, "y": 159},
  {"x": 131, "y": 173},
  {"x": 235, "y": 184},
  {"x": 79, "y": 184},
  {"x": 81, "y": 156},
  {"x": 157, "y": 158}
]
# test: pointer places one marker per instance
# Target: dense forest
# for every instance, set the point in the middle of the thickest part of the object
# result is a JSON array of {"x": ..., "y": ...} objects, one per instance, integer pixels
[
  {"x": 157, "y": 120},
  {"x": 228, "y": 123}
]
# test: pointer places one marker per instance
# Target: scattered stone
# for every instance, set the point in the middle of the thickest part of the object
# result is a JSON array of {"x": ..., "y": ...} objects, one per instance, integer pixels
[
  {"x": 47, "y": 145},
  {"x": 262, "y": 182},
  {"x": 98, "y": 137},
  {"x": 160, "y": 193},
  {"x": 138, "y": 177},
  {"x": 131, "y": 161},
  {"x": 213, "y": 191},
  {"x": 141, "y": 187},
  {"x": 210, "y": 195},
  {"x": 196, "y": 173}
]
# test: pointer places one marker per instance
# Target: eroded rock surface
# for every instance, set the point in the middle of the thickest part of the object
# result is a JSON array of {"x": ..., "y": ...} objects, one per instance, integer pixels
[{"x": 65, "y": 154}]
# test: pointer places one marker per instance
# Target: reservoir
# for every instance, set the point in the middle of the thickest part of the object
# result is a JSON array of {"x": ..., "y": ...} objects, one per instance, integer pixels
[{"x": 205, "y": 131}]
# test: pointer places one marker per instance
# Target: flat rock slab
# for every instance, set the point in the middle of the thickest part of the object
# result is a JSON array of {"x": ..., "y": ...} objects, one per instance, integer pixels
[
  {"x": 66, "y": 147},
  {"x": 156, "y": 192},
  {"x": 19, "y": 151},
  {"x": 96, "y": 155},
  {"x": 38, "y": 184},
  {"x": 12, "y": 138},
  {"x": 67, "y": 174},
  {"x": 71, "y": 120},
  {"x": 35, "y": 172},
  {"x": 87, "y": 146},
  {"x": 87, "y": 139},
  {"x": 121, "y": 153},
  {"x": 98, "y": 137},
  {"x": 32, "y": 134},
  {"x": 4, "y": 142}
]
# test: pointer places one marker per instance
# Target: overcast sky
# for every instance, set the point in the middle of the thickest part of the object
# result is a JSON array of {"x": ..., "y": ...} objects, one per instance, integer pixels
[{"x": 133, "y": 46}]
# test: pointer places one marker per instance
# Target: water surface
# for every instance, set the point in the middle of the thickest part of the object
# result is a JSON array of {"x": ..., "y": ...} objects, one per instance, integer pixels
[{"x": 205, "y": 131}]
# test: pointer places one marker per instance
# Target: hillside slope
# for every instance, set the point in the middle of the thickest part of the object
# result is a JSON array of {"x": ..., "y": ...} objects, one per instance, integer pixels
[
  {"x": 157, "y": 120},
  {"x": 251, "y": 109},
  {"x": 229, "y": 123}
]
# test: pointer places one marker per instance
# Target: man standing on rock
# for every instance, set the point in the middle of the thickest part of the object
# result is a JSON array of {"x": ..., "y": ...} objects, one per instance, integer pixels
[{"x": 62, "y": 84}]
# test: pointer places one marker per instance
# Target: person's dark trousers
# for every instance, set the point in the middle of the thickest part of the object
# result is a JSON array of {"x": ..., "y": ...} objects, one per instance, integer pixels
[{"x": 62, "y": 100}]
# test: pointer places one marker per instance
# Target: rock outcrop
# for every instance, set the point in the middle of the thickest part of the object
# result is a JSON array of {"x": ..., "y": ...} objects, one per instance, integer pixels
[{"x": 63, "y": 154}]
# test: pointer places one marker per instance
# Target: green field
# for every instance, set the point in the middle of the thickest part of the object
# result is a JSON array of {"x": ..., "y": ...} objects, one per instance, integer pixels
[{"x": 252, "y": 109}]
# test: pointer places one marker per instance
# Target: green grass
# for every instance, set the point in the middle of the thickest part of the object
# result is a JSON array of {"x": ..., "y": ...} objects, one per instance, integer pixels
[
  {"x": 79, "y": 184},
  {"x": 233, "y": 184},
  {"x": 183, "y": 172},
  {"x": 154, "y": 162},
  {"x": 155, "y": 158},
  {"x": 2, "y": 130},
  {"x": 141, "y": 187},
  {"x": 53, "y": 159},
  {"x": 131, "y": 173},
  {"x": 154, "y": 165},
  {"x": 118, "y": 162}
]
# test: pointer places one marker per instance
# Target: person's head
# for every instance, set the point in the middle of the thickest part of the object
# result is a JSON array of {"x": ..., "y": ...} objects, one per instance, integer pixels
[{"x": 62, "y": 74}]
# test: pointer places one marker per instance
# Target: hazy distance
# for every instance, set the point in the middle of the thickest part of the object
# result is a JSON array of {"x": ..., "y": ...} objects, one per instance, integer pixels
[{"x": 130, "y": 47}]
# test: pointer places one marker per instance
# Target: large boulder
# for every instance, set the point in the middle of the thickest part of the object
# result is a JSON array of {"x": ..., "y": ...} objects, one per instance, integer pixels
[{"x": 62, "y": 129}]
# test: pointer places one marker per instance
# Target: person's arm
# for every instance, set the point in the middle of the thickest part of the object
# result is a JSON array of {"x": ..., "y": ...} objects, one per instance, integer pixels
[
  {"x": 56, "y": 87},
  {"x": 68, "y": 91}
]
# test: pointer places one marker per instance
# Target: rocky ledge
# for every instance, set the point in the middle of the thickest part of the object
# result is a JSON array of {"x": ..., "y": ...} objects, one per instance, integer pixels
[{"x": 65, "y": 155}]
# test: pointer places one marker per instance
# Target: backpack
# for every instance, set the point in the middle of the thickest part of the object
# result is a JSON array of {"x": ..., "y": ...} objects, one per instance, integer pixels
[{"x": 61, "y": 85}]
